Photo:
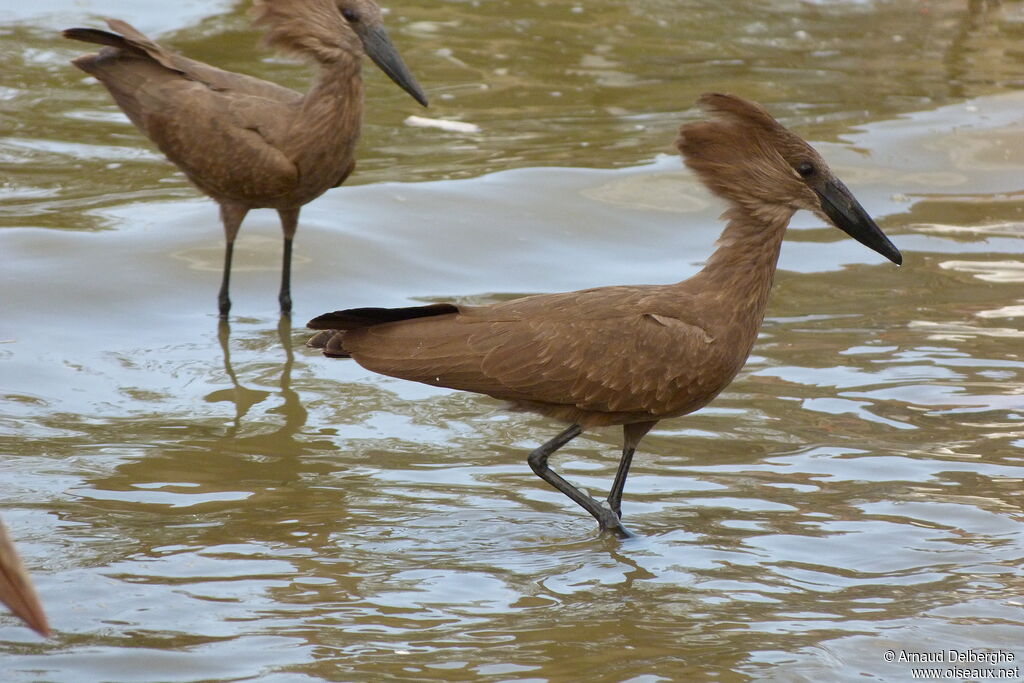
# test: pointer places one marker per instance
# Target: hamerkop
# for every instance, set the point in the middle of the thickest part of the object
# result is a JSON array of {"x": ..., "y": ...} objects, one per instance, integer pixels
[
  {"x": 629, "y": 355},
  {"x": 243, "y": 141},
  {"x": 16, "y": 587}
]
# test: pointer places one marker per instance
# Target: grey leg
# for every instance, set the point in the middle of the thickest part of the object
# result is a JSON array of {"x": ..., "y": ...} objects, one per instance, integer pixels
[
  {"x": 606, "y": 519},
  {"x": 632, "y": 433},
  {"x": 289, "y": 222},
  {"x": 615, "y": 495},
  {"x": 232, "y": 216}
]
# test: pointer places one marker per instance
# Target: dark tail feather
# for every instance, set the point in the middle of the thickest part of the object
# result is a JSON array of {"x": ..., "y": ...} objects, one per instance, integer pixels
[
  {"x": 334, "y": 325},
  {"x": 94, "y": 35},
  {"x": 130, "y": 41},
  {"x": 355, "y": 318}
]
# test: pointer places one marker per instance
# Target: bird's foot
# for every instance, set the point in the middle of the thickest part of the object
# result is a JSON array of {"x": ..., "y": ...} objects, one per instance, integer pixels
[
  {"x": 224, "y": 306},
  {"x": 610, "y": 522}
]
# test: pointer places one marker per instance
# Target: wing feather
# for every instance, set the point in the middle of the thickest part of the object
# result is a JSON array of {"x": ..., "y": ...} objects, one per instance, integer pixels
[
  {"x": 222, "y": 129},
  {"x": 598, "y": 350},
  {"x": 222, "y": 147}
]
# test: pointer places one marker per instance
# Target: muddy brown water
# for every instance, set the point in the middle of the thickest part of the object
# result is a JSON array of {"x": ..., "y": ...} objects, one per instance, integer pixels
[{"x": 198, "y": 503}]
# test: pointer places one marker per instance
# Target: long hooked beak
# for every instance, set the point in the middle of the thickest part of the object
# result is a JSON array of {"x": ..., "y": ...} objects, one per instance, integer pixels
[
  {"x": 16, "y": 588},
  {"x": 382, "y": 51},
  {"x": 849, "y": 216}
]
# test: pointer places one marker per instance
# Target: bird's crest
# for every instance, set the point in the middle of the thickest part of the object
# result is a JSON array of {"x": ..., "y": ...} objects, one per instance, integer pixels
[
  {"x": 740, "y": 111},
  {"x": 737, "y": 123},
  {"x": 744, "y": 155},
  {"x": 306, "y": 28}
]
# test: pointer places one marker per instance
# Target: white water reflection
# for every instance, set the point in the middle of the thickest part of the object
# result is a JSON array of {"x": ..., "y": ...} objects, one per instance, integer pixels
[
  {"x": 150, "y": 16},
  {"x": 989, "y": 271}
]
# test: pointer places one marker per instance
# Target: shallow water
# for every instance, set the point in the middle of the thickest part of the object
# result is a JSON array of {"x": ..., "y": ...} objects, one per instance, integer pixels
[{"x": 204, "y": 503}]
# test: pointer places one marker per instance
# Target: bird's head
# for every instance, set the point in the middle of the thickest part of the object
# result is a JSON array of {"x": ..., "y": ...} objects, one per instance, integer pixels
[
  {"x": 364, "y": 18},
  {"x": 329, "y": 30},
  {"x": 748, "y": 158}
]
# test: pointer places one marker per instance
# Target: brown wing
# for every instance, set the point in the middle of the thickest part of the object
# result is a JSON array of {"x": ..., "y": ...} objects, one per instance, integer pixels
[
  {"x": 221, "y": 128},
  {"x": 606, "y": 350},
  {"x": 226, "y": 145},
  {"x": 130, "y": 39}
]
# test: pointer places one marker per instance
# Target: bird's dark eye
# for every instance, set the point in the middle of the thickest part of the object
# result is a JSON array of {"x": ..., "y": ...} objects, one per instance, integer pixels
[
  {"x": 805, "y": 169},
  {"x": 350, "y": 15}
]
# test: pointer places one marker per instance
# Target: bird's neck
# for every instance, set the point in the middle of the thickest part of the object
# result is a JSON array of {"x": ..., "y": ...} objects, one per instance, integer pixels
[
  {"x": 330, "y": 114},
  {"x": 742, "y": 268},
  {"x": 340, "y": 78}
]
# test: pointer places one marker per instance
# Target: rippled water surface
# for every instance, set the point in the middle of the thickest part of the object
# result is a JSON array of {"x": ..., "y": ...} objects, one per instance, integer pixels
[{"x": 199, "y": 502}]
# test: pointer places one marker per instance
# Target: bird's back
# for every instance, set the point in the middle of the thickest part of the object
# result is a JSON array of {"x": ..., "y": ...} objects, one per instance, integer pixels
[
  {"x": 223, "y": 129},
  {"x": 130, "y": 58}
]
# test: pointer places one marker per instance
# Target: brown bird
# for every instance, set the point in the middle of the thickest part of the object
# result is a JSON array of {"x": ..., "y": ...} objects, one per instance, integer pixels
[
  {"x": 630, "y": 355},
  {"x": 245, "y": 142},
  {"x": 16, "y": 587}
]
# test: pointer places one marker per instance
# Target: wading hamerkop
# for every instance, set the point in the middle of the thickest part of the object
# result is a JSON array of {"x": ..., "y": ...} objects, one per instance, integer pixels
[
  {"x": 628, "y": 355},
  {"x": 243, "y": 141}
]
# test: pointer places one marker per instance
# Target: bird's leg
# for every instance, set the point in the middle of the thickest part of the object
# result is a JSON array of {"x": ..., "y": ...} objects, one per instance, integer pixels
[
  {"x": 615, "y": 495},
  {"x": 606, "y": 519},
  {"x": 632, "y": 433},
  {"x": 232, "y": 216},
  {"x": 289, "y": 222},
  {"x": 223, "y": 301}
]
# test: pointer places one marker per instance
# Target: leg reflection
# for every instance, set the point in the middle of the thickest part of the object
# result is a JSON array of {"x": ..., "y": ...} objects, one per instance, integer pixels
[
  {"x": 295, "y": 414},
  {"x": 281, "y": 441},
  {"x": 243, "y": 398}
]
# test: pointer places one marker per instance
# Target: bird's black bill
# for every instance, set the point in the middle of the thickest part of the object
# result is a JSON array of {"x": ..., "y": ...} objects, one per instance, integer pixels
[
  {"x": 380, "y": 49},
  {"x": 850, "y": 217}
]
